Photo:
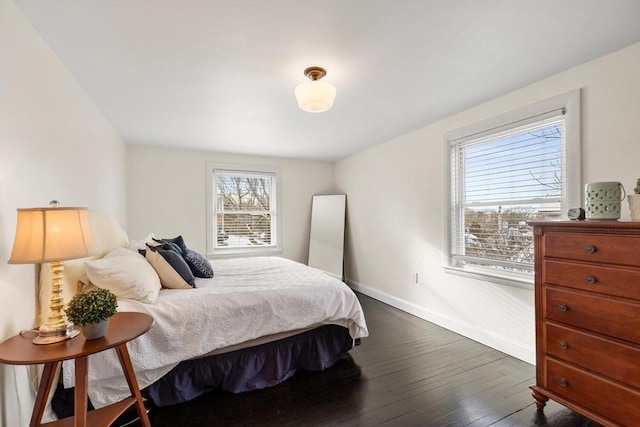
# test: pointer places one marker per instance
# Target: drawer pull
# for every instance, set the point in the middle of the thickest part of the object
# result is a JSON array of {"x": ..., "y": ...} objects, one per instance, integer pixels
[
  {"x": 590, "y": 279},
  {"x": 563, "y": 382},
  {"x": 563, "y": 345},
  {"x": 589, "y": 249},
  {"x": 563, "y": 307}
]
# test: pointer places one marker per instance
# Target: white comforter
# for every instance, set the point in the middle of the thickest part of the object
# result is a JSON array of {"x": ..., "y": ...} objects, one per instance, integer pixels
[{"x": 248, "y": 298}]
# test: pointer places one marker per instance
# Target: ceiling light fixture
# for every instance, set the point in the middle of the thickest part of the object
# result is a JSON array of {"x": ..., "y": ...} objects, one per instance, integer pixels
[{"x": 315, "y": 96}]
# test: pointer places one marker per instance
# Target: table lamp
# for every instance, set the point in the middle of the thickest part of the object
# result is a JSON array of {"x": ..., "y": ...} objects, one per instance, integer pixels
[{"x": 52, "y": 235}]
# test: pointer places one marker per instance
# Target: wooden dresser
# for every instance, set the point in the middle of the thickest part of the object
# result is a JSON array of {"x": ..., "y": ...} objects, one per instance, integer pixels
[{"x": 587, "y": 297}]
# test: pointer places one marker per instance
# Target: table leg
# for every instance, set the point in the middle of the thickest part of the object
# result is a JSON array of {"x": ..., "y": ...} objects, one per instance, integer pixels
[
  {"x": 80, "y": 393},
  {"x": 129, "y": 374},
  {"x": 48, "y": 377}
]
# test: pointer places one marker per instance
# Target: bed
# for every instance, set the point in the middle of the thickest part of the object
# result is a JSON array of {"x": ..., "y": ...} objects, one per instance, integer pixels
[{"x": 252, "y": 325}]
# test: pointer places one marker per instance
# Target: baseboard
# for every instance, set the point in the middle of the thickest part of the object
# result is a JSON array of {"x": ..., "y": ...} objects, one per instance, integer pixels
[{"x": 500, "y": 343}]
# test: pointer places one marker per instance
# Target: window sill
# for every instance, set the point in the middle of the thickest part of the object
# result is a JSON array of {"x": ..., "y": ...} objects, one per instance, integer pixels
[
  {"x": 514, "y": 280},
  {"x": 250, "y": 251}
]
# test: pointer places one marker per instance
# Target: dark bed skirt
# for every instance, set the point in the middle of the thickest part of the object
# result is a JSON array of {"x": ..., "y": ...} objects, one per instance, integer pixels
[
  {"x": 251, "y": 368},
  {"x": 242, "y": 370}
]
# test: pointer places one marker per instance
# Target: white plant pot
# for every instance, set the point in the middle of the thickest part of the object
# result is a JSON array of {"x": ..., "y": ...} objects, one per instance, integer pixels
[
  {"x": 634, "y": 206},
  {"x": 92, "y": 331}
]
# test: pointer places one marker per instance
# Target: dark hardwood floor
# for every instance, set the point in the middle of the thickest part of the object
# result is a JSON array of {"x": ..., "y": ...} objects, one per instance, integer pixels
[{"x": 408, "y": 372}]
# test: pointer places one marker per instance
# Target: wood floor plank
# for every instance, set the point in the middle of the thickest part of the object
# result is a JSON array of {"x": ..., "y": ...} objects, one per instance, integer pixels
[{"x": 409, "y": 372}]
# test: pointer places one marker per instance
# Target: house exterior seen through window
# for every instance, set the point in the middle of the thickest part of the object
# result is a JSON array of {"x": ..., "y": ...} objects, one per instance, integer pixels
[
  {"x": 503, "y": 177},
  {"x": 242, "y": 211}
]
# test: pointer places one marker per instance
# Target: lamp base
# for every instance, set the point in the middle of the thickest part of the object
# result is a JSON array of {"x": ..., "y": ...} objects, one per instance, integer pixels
[
  {"x": 57, "y": 336},
  {"x": 56, "y": 328}
]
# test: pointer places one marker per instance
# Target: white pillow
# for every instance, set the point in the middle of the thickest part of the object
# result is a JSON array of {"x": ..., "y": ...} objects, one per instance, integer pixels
[
  {"x": 125, "y": 273},
  {"x": 122, "y": 251},
  {"x": 107, "y": 233},
  {"x": 136, "y": 245}
]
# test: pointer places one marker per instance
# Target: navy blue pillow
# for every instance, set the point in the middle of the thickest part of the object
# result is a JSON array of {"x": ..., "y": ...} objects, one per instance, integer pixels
[
  {"x": 199, "y": 265},
  {"x": 174, "y": 258},
  {"x": 177, "y": 242}
]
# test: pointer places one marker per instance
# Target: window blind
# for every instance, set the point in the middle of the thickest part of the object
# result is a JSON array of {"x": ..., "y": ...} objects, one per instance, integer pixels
[{"x": 501, "y": 178}]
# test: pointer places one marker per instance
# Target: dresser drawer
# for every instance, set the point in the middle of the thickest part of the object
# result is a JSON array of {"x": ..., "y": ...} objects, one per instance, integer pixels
[
  {"x": 605, "y": 397},
  {"x": 618, "y": 281},
  {"x": 614, "y": 317},
  {"x": 610, "y": 249},
  {"x": 603, "y": 356}
]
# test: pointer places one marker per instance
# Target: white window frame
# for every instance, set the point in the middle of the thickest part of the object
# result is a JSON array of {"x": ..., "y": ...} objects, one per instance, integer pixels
[
  {"x": 211, "y": 198},
  {"x": 571, "y": 185}
]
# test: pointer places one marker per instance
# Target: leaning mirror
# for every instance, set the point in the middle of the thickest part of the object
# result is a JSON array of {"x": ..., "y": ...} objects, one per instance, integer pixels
[{"x": 326, "y": 240}]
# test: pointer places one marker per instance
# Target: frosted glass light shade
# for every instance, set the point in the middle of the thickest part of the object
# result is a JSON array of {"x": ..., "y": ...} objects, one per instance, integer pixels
[
  {"x": 51, "y": 234},
  {"x": 315, "y": 96}
]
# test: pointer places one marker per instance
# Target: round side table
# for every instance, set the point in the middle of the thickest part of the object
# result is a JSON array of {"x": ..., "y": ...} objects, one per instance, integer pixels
[{"x": 123, "y": 327}]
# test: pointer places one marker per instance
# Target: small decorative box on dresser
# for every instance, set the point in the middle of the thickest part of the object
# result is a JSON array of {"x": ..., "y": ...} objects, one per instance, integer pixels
[{"x": 587, "y": 297}]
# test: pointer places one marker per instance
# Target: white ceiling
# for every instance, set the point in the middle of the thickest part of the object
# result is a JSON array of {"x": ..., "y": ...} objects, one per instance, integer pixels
[{"x": 220, "y": 75}]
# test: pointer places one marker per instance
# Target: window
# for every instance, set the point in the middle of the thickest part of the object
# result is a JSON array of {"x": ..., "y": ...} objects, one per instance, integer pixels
[
  {"x": 505, "y": 172},
  {"x": 242, "y": 210}
]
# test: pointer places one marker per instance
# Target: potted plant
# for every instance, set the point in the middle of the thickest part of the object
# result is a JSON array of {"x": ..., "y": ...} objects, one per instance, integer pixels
[
  {"x": 91, "y": 311},
  {"x": 634, "y": 202}
]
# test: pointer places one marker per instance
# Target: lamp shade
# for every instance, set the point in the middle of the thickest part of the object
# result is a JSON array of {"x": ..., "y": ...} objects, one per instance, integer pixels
[
  {"x": 315, "y": 96},
  {"x": 51, "y": 234}
]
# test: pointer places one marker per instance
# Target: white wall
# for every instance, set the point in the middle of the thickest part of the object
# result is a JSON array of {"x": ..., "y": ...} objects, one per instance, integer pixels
[
  {"x": 167, "y": 194},
  {"x": 396, "y": 204},
  {"x": 54, "y": 144}
]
